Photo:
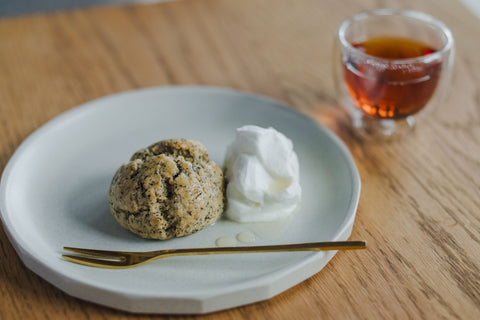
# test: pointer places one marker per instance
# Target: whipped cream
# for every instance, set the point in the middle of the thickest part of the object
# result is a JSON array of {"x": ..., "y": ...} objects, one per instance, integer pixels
[{"x": 262, "y": 172}]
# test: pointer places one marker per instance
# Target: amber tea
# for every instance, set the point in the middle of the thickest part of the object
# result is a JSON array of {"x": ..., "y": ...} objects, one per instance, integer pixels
[
  {"x": 391, "y": 69},
  {"x": 387, "y": 90}
]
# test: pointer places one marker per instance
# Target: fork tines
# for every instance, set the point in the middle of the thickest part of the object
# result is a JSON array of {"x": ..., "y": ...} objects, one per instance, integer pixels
[{"x": 95, "y": 258}]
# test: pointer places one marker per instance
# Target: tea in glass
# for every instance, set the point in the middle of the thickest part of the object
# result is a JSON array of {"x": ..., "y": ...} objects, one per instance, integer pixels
[{"x": 392, "y": 65}]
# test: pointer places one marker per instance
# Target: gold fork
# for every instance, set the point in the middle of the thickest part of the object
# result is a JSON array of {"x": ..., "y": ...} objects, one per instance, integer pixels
[{"x": 125, "y": 259}]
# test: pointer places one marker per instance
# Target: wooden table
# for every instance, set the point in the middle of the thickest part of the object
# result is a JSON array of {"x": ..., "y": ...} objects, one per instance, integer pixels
[{"x": 419, "y": 208}]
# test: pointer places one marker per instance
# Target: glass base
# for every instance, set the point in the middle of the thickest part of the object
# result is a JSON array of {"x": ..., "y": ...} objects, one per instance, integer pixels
[{"x": 372, "y": 128}]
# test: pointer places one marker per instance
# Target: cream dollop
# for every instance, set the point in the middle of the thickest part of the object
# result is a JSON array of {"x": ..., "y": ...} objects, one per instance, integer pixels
[{"x": 262, "y": 172}]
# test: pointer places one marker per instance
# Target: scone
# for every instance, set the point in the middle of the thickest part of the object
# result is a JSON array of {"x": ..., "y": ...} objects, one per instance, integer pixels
[{"x": 170, "y": 189}]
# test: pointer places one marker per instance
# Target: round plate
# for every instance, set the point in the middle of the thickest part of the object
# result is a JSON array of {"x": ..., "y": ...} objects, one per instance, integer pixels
[{"x": 54, "y": 189}]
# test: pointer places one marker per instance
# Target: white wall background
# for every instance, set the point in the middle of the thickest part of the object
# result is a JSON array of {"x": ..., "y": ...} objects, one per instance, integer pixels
[
  {"x": 21, "y": 7},
  {"x": 473, "y": 5}
]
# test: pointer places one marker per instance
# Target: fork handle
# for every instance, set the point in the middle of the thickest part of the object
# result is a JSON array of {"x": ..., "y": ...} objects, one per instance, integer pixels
[{"x": 313, "y": 246}]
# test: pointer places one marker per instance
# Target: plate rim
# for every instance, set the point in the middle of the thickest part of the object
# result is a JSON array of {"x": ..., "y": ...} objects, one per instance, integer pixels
[{"x": 66, "y": 282}]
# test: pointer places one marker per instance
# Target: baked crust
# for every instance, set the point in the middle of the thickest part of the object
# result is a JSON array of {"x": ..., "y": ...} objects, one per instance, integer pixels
[{"x": 170, "y": 189}]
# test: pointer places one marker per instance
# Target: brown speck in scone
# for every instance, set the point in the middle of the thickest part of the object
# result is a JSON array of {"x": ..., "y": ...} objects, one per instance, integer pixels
[{"x": 170, "y": 189}]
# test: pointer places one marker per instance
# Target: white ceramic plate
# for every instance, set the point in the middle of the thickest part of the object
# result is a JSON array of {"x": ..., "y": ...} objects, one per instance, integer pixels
[{"x": 54, "y": 194}]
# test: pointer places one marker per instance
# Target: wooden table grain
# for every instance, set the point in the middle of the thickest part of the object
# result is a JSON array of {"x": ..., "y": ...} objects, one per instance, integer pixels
[{"x": 419, "y": 208}]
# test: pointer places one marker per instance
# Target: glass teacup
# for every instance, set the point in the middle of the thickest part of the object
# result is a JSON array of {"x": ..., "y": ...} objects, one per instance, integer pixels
[{"x": 392, "y": 66}]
